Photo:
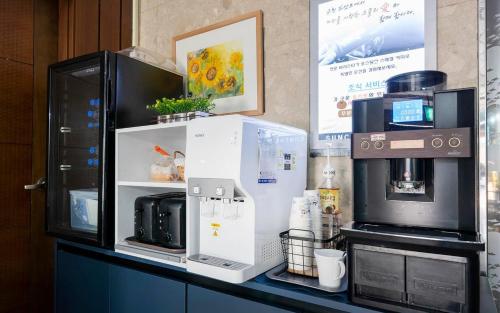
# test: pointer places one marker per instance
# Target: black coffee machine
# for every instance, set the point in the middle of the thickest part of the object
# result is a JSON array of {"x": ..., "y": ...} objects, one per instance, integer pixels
[{"x": 413, "y": 245}]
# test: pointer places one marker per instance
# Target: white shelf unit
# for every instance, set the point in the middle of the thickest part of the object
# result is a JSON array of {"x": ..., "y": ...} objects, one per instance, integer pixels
[
  {"x": 174, "y": 185},
  {"x": 134, "y": 156}
]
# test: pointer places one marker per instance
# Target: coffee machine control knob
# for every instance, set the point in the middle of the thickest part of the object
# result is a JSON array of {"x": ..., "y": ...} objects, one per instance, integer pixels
[
  {"x": 437, "y": 142},
  {"x": 379, "y": 145},
  {"x": 454, "y": 142},
  {"x": 365, "y": 145}
]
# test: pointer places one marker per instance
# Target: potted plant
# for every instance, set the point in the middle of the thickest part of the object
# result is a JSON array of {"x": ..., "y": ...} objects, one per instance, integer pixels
[{"x": 181, "y": 109}]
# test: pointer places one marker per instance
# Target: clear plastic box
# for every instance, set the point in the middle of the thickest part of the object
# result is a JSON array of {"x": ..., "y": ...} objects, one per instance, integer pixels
[{"x": 84, "y": 204}]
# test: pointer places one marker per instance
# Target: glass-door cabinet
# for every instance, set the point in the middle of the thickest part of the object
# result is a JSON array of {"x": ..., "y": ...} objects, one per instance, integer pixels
[{"x": 77, "y": 162}]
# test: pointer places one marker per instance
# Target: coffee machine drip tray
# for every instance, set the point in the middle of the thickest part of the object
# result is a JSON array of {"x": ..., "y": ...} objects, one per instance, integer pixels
[{"x": 415, "y": 236}]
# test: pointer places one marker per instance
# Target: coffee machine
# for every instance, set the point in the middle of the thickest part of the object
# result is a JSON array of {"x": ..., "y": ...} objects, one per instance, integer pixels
[
  {"x": 413, "y": 244},
  {"x": 242, "y": 176}
]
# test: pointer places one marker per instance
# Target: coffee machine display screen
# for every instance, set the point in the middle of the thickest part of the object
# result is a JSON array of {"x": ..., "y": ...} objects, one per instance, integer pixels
[{"x": 408, "y": 111}]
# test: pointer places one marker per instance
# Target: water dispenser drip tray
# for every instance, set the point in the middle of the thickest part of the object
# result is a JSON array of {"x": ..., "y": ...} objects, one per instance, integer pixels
[{"x": 219, "y": 262}]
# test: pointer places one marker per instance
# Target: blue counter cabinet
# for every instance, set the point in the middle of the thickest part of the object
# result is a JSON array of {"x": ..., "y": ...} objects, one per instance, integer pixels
[
  {"x": 86, "y": 284},
  {"x": 133, "y": 291},
  {"x": 201, "y": 300},
  {"x": 82, "y": 284}
]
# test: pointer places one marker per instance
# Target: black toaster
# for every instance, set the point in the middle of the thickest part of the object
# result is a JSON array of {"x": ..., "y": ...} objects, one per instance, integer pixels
[{"x": 161, "y": 220}]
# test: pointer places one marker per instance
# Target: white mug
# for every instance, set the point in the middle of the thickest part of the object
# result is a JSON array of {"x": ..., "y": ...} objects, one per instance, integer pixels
[{"x": 331, "y": 267}]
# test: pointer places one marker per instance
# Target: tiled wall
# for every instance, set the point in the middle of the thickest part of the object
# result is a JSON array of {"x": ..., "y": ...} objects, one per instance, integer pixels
[{"x": 286, "y": 54}]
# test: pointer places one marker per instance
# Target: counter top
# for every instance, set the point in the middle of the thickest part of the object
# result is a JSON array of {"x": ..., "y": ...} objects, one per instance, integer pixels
[{"x": 260, "y": 289}]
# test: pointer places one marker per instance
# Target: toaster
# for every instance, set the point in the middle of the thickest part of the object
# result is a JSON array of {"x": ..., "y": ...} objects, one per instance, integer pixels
[{"x": 161, "y": 220}]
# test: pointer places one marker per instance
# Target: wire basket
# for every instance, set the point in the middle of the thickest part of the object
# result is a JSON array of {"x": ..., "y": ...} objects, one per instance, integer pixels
[{"x": 298, "y": 250}]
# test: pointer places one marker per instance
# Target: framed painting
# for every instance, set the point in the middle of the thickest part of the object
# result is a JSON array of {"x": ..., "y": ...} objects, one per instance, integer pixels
[{"x": 224, "y": 61}]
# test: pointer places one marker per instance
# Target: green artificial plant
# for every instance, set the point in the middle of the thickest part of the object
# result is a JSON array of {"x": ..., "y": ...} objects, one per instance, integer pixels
[{"x": 166, "y": 106}]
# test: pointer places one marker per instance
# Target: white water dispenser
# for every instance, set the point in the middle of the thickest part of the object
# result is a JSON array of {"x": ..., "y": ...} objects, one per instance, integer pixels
[{"x": 242, "y": 176}]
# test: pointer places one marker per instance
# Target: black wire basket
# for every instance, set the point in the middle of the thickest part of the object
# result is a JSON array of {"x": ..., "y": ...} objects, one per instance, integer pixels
[{"x": 298, "y": 250}]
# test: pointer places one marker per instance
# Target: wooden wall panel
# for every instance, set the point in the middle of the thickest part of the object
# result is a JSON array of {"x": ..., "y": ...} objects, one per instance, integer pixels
[
  {"x": 42, "y": 246},
  {"x": 63, "y": 30},
  {"x": 15, "y": 172},
  {"x": 126, "y": 24},
  {"x": 109, "y": 28},
  {"x": 16, "y": 100},
  {"x": 71, "y": 28},
  {"x": 14, "y": 275},
  {"x": 16, "y": 30},
  {"x": 86, "y": 26}
]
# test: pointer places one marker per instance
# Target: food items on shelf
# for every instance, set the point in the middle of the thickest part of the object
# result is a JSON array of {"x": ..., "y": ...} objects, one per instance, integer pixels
[
  {"x": 179, "y": 162},
  {"x": 163, "y": 169}
]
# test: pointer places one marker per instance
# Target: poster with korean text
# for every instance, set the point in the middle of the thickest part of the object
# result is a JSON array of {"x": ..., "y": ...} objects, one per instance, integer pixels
[{"x": 361, "y": 44}]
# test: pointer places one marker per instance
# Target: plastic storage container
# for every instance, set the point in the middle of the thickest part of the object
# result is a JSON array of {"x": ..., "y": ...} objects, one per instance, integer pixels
[
  {"x": 84, "y": 204},
  {"x": 164, "y": 170}
]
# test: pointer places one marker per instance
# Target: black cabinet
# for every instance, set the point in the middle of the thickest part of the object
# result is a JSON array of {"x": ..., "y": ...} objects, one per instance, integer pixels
[
  {"x": 90, "y": 96},
  {"x": 133, "y": 291},
  {"x": 201, "y": 300},
  {"x": 81, "y": 284}
]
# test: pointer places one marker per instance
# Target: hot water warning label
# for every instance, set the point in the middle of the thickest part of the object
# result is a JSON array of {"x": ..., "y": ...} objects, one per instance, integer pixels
[{"x": 215, "y": 229}]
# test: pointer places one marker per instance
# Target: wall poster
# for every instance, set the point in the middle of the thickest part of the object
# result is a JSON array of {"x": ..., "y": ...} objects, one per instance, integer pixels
[{"x": 355, "y": 46}]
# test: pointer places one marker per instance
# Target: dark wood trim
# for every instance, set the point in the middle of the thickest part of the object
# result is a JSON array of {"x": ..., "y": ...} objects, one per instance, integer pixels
[
  {"x": 109, "y": 25},
  {"x": 63, "y": 29},
  {"x": 45, "y": 51},
  {"x": 86, "y": 27},
  {"x": 127, "y": 12},
  {"x": 71, "y": 29}
]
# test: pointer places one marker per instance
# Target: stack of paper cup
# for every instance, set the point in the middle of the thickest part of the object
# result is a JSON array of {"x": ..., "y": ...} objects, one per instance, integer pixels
[
  {"x": 300, "y": 252},
  {"x": 313, "y": 197},
  {"x": 322, "y": 224}
]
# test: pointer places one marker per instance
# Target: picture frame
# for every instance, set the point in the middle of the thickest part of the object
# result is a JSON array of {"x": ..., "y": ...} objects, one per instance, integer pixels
[{"x": 225, "y": 61}]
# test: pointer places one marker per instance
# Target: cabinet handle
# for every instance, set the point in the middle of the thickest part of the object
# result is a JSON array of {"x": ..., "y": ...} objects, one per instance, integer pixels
[
  {"x": 64, "y": 167},
  {"x": 64, "y": 129},
  {"x": 40, "y": 183}
]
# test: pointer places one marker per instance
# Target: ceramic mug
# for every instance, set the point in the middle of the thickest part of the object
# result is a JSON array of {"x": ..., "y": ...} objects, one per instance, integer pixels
[{"x": 331, "y": 267}]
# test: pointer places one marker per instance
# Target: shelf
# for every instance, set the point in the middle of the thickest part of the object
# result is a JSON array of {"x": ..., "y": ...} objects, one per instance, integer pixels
[
  {"x": 178, "y": 260},
  {"x": 150, "y": 127},
  {"x": 176, "y": 185},
  {"x": 134, "y": 156}
]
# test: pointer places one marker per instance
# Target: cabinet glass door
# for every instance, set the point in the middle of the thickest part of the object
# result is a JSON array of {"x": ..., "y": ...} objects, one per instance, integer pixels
[{"x": 75, "y": 146}]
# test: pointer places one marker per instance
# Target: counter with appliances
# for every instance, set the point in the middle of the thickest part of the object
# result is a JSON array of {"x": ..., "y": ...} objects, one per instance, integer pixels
[
  {"x": 126, "y": 283},
  {"x": 199, "y": 232}
]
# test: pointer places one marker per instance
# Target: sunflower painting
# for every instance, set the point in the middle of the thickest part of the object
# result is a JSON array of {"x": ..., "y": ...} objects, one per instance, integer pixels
[{"x": 216, "y": 71}]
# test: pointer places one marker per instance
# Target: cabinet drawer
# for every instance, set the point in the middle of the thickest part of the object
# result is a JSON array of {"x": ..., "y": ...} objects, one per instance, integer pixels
[
  {"x": 134, "y": 291},
  {"x": 201, "y": 300},
  {"x": 379, "y": 274},
  {"x": 81, "y": 284},
  {"x": 437, "y": 283}
]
